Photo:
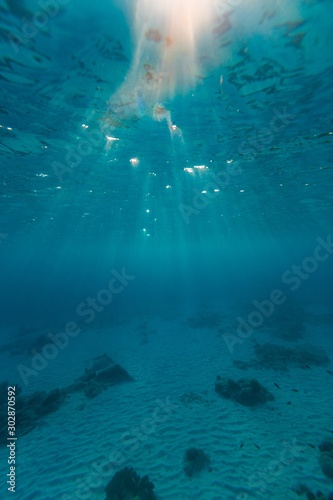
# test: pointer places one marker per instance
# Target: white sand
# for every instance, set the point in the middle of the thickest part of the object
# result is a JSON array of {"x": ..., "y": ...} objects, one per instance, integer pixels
[{"x": 249, "y": 448}]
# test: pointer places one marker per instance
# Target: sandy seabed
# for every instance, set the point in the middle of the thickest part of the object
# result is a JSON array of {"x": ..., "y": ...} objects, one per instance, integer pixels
[{"x": 256, "y": 453}]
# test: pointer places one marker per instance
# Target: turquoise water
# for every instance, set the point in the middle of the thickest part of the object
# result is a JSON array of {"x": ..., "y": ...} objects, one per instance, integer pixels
[{"x": 167, "y": 200}]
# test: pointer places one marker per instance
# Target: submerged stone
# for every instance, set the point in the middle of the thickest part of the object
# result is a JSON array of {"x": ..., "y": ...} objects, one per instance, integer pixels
[{"x": 247, "y": 392}]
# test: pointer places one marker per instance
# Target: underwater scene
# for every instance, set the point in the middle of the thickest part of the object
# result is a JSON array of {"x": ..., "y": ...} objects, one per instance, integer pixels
[{"x": 166, "y": 249}]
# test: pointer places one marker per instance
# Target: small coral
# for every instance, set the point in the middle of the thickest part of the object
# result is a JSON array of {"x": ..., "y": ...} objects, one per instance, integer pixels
[
  {"x": 195, "y": 460},
  {"x": 126, "y": 484}
]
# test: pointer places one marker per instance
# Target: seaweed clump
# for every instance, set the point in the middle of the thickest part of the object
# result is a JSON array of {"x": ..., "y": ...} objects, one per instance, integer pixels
[
  {"x": 126, "y": 484},
  {"x": 280, "y": 358}
]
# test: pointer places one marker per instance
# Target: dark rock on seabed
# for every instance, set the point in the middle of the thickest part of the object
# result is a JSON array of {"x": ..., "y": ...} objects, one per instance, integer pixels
[{"x": 247, "y": 392}]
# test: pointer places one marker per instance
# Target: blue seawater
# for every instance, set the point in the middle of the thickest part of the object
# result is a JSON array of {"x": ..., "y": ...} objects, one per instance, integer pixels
[{"x": 173, "y": 214}]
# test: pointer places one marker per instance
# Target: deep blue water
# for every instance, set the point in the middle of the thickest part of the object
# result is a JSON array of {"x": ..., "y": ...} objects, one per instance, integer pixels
[{"x": 92, "y": 181}]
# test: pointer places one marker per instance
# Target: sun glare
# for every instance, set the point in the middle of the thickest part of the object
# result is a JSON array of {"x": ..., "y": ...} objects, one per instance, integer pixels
[{"x": 167, "y": 35}]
